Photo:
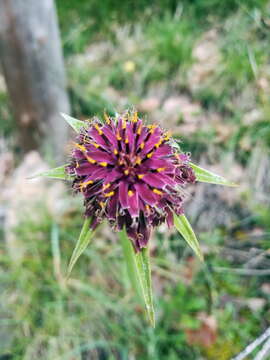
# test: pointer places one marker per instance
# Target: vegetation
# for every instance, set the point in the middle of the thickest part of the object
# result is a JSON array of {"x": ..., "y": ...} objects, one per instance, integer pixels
[{"x": 215, "y": 56}]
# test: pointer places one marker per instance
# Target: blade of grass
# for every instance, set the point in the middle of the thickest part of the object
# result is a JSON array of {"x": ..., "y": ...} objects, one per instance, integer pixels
[
  {"x": 183, "y": 226},
  {"x": 82, "y": 243},
  {"x": 209, "y": 177},
  {"x": 138, "y": 267}
]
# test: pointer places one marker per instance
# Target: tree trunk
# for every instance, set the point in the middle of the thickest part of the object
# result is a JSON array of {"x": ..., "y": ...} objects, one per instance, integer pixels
[{"x": 32, "y": 61}]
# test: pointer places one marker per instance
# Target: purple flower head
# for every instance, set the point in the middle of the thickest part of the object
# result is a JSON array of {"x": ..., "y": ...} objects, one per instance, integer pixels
[{"x": 130, "y": 173}]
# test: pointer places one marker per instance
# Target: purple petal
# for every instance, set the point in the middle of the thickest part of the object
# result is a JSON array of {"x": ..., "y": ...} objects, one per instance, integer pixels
[
  {"x": 123, "y": 194},
  {"x": 112, "y": 176},
  {"x": 154, "y": 179},
  {"x": 110, "y": 135},
  {"x": 101, "y": 156},
  {"x": 112, "y": 206},
  {"x": 85, "y": 169},
  {"x": 146, "y": 194},
  {"x": 133, "y": 203}
]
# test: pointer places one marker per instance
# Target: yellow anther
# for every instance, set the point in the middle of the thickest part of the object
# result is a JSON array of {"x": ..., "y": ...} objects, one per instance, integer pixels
[
  {"x": 130, "y": 193},
  {"x": 118, "y": 137},
  {"x": 120, "y": 162},
  {"x": 156, "y": 191},
  {"x": 102, "y": 204},
  {"x": 158, "y": 144},
  {"x": 147, "y": 207},
  {"x": 139, "y": 130},
  {"x": 106, "y": 117},
  {"x": 142, "y": 145},
  {"x": 95, "y": 145},
  {"x": 111, "y": 193},
  {"x": 153, "y": 128},
  {"x": 106, "y": 186},
  {"x": 135, "y": 117},
  {"x": 103, "y": 163},
  {"x": 138, "y": 160},
  {"x": 92, "y": 161},
  {"x": 80, "y": 147},
  {"x": 77, "y": 164},
  {"x": 115, "y": 152},
  {"x": 167, "y": 135},
  {"x": 98, "y": 129},
  {"x": 126, "y": 141},
  {"x": 160, "y": 169},
  {"x": 140, "y": 176},
  {"x": 150, "y": 155},
  {"x": 84, "y": 184},
  {"x": 124, "y": 124},
  {"x": 126, "y": 172}
]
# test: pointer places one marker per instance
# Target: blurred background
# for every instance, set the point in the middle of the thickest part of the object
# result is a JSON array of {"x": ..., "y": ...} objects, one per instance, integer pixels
[{"x": 200, "y": 68}]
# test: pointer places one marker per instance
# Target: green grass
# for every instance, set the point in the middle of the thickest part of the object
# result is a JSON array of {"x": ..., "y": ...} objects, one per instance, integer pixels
[{"x": 96, "y": 313}]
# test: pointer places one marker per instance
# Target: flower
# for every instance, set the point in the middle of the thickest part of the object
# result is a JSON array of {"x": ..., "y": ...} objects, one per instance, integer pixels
[{"x": 131, "y": 173}]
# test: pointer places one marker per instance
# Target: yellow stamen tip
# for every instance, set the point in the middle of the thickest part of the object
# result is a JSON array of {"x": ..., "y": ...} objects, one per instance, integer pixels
[
  {"x": 135, "y": 117},
  {"x": 106, "y": 186},
  {"x": 107, "y": 119},
  {"x": 149, "y": 155},
  {"x": 126, "y": 172},
  {"x": 160, "y": 169},
  {"x": 92, "y": 161},
  {"x": 98, "y": 129},
  {"x": 126, "y": 141},
  {"x": 115, "y": 152},
  {"x": 130, "y": 193},
  {"x": 156, "y": 191},
  {"x": 80, "y": 147},
  {"x": 138, "y": 160},
  {"x": 103, "y": 163},
  {"x": 140, "y": 176},
  {"x": 142, "y": 145},
  {"x": 109, "y": 194}
]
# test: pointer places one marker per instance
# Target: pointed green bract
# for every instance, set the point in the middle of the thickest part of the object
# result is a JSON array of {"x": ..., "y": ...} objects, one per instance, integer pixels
[
  {"x": 183, "y": 226},
  {"x": 209, "y": 177},
  {"x": 138, "y": 267},
  {"x": 82, "y": 243},
  {"x": 143, "y": 262},
  {"x": 56, "y": 173},
  {"x": 74, "y": 123}
]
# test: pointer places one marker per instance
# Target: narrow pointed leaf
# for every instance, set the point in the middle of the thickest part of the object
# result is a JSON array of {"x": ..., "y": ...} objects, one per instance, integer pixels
[
  {"x": 138, "y": 267},
  {"x": 82, "y": 243},
  {"x": 143, "y": 261},
  {"x": 74, "y": 123},
  {"x": 130, "y": 258},
  {"x": 209, "y": 177},
  {"x": 183, "y": 226},
  {"x": 56, "y": 173}
]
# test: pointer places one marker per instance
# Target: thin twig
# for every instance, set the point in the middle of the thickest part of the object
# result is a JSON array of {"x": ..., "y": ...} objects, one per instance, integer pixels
[{"x": 253, "y": 345}]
